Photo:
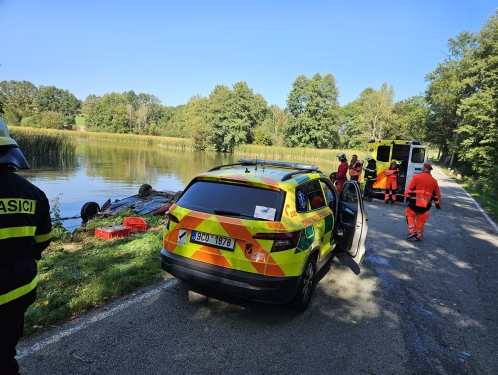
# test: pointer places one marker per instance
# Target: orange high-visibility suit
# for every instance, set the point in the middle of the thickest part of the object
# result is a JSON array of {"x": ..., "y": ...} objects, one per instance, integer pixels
[
  {"x": 391, "y": 183},
  {"x": 421, "y": 190}
]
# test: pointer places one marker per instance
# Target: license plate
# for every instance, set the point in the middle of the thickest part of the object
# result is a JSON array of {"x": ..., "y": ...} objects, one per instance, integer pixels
[{"x": 213, "y": 240}]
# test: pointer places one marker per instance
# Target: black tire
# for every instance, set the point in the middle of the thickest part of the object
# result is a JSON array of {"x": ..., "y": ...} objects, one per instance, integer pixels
[
  {"x": 89, "y": 210},
  {"x": 302, "y": 298},
  {"x": 144, "y": 189}
]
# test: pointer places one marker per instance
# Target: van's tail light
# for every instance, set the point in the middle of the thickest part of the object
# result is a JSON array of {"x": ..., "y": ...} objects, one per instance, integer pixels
[
  {"x": 170, "y": 217},
  {"x": 281, "y": 241}
]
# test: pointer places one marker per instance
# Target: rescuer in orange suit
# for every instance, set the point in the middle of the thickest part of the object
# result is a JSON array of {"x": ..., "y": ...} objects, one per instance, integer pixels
[
  {"x": 421, "y": 190},
  {"x": 391, "y": 182}
]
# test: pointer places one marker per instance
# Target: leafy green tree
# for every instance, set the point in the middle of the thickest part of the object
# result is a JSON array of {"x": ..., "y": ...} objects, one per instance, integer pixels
[
  {"x": 231, "y": 113},
  {"x": 194, "y": 122},
  {"x": 119, "y": 122},
  {"x": 355, "y": 130},
  {"x": 443, "y": 96},
  {"x": 369, "y": 116},
  {"x": 262, "y": 136},
  {"x": 409, "y": 118},
  {"x": 274, "y": 123},
  {"x": 154, "y": 108},
  {"x": 478, "y": 128},
  {"x": 51, "y": 98},
  {"x": 52, "y": 120},
  {"x": 99, "y": 118},
  {"x": 243, "y": 104},
  {"x": 229, "y": 134},
  {"x": 2, "y": 102},
  {"x": 89, "y": 103},
  {"x": 377, "y": 109},
  {"x": 313, "y": 109},
  {"x": 200, "y": 132},
  {"x": 19, "y": 100}
]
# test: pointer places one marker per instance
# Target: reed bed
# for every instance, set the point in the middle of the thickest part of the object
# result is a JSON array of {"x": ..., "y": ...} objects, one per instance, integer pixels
[
  {"x": 41, "y": 147},
  {"x": 166, "y": 142},
  {"x": 294, "y": 154},
  {"x": 185, "y": 144}
]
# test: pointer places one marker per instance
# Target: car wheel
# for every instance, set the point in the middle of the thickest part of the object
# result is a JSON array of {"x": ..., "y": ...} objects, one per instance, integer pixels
[
  {"x": 89, "y": 210},
  {"x": 302, "y": 298},
  {"x": 144, "y": 189}
]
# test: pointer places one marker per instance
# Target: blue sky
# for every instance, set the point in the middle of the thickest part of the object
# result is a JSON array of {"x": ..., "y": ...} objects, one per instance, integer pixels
[{"x": 178, "y": 49}]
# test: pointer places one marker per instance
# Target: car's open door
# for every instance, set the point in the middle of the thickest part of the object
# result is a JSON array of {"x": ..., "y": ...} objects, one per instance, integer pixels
[{"x": 351, "y": 222}]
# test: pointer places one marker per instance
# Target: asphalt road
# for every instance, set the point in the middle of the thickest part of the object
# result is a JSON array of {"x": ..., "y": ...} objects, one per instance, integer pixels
[{"x": 426, "y": 307}]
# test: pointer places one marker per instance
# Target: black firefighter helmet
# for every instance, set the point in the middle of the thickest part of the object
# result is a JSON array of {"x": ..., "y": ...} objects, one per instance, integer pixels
[{"x": 10, "y": 154}]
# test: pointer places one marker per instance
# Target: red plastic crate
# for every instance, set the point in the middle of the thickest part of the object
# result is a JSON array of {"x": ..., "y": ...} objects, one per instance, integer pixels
[
  {"x": 113, "y": 231},
  {"x": 135, "y": 223}
]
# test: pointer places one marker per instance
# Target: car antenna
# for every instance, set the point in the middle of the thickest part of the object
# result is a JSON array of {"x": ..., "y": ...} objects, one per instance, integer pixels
[{"x": 256, "y": 164}]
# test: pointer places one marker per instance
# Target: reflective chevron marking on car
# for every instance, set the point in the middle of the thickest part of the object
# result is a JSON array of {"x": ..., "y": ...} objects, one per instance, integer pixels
[
  {"x": 242, "y": 231},
  {"x": 214, "y": 256},
  {"x": 273, "y": 269}
]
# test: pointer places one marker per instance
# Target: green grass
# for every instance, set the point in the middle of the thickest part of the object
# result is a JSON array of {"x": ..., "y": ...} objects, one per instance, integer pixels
[
  {"x": 84, "y": 272},
  {"x": 488, "y": 203},
  {"x": 80, "y": 120}
]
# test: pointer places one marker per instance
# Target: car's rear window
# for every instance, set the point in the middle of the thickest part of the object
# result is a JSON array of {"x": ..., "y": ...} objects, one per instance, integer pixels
[{"x": 245, "y": 202}]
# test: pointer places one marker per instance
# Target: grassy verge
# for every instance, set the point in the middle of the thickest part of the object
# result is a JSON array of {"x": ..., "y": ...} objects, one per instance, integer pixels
[
  {"x": 82, "y": 272},
  {"x": 488, "y": 203}
]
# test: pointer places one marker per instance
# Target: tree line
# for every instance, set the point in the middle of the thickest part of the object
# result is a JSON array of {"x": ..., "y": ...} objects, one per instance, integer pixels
[
  {"x": 228, "y": 117},
  {"x": 457, "y": 114}
]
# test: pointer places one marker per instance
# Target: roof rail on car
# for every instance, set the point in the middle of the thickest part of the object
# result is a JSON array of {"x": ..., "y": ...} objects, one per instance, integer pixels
[
  {"x": 223, "y": 166},
  {"x": 301, "y": 168}
]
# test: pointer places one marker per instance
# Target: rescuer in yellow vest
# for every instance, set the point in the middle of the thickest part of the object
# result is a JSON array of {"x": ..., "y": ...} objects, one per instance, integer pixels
[{"x": 25, "y": 231}]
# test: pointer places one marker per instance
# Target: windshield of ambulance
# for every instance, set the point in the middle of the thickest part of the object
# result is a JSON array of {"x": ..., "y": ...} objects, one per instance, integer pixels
[{"x": 233, "y": 200}]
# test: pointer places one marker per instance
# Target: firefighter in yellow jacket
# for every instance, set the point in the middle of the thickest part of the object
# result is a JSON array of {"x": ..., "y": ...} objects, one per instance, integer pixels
[
  {"x": 421, "y": 190},
  {"x": 25, "y": 231}
]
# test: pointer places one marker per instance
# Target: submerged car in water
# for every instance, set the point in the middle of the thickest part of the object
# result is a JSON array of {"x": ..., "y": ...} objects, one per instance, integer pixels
[
  {"x": 262, "y": 229},
  {"x": 147, "y": 201}
]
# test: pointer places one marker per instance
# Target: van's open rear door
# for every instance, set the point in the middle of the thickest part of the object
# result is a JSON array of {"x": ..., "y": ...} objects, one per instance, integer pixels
[{"x": 416, "y": 160}]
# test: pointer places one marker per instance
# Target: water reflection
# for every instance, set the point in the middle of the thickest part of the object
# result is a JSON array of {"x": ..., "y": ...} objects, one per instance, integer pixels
[{"x": 102, "y": 170}]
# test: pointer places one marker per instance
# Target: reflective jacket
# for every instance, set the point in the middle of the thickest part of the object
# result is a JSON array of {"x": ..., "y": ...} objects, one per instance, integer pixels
[
  {"x": 421, "y": 190},
  {"x": 392, "y": 174},
  {"x": 352, "y": 171},
  {"x": 25, "y": 231}
]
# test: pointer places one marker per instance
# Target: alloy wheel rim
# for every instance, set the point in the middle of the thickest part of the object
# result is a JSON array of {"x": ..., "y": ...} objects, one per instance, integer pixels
[{"x": 308, "y": 282}]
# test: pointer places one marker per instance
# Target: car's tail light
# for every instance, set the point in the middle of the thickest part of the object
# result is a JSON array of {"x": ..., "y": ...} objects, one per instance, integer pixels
[
  {"x": 170, "y": 217},
  {"x": 281, "y": 241}
]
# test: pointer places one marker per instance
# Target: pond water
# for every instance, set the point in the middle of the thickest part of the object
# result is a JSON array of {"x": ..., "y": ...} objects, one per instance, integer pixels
[{"x": 103, "y": 170}]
